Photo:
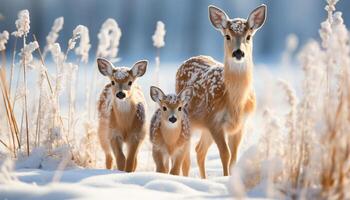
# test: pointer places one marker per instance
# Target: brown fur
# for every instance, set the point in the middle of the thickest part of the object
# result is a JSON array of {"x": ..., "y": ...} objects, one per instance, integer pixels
[
  {"x": 235, "y": 102},
  {"x": 171, "y": 141},
  {"x": 223, "y": 93},
  {"x": 116, "y": 128},
  {"x": 121, "y": 121}
]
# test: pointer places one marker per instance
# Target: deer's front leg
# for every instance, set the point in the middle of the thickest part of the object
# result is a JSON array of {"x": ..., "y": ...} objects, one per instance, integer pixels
[
  {"x": 233, "y": 142},
  {"x": 186, "y": 164},
  {"x": 159, "y": 160},
  {"x": 133, "y": 149},
  {"x": 105, "y": 142},
  {"x": 117, "y": 147},
  {"x": 177, "y": 161},
  {"x": 218, "y": 135}
]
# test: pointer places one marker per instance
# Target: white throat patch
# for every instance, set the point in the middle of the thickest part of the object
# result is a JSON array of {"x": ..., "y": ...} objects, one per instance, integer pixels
[
  {"x": 170, "y": 125},
  {"x": 123, "y": 105},
  {"x": 237, "y": 65}
]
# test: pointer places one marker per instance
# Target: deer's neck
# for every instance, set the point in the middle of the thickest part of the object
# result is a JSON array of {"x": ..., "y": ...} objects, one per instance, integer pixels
[
  {"x": 238, "y": 79},
  {"x": 170, "y": 132}
]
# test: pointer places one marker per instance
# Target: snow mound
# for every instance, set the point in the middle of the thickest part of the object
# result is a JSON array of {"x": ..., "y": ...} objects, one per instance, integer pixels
[{"x": 93, "y": 184}]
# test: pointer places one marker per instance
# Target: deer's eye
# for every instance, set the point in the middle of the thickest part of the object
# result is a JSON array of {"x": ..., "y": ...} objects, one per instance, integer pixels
[
  {"x": 113, "y": 83},
  {"x": 130, "y": 83},
  {"x": 180, "y": 108},
  {"x": 164, "y": 108},
  {"x": 227, "y": 37},
  {"x": 248, "y": 37}
]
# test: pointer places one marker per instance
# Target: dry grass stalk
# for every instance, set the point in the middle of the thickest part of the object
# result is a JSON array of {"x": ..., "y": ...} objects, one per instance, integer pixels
[
  {"x": 9, "y": 110},
  {"x": 13, "y": 64}
]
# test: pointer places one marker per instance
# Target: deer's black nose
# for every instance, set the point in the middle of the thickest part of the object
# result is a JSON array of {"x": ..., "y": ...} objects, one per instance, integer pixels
[
  {"x": 238, "y": 54},
  {"x": 121, "y": 95},
  {"x": 172, "y": 119}
]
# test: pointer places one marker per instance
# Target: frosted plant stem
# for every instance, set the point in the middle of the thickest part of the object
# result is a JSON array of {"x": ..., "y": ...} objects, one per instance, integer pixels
[
  {"x": 21, "y": 127},
  {"x": 42, "y": 59},
  {"x": 157, "y": 68},
  {"x": 87, "y": 90},
  {"x": 17, "y": 86},
  {"x": 12, "y": 65},
  {"x": 93, "y": 90},
  {"x": 37, "y": 131},
  {"x": 25, "y": 95}
]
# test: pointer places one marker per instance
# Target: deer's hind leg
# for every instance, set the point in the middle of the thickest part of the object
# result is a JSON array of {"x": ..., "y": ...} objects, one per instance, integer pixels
[
  {"x": 133, "y": 149},
  {"x": 202, "y": 149}
]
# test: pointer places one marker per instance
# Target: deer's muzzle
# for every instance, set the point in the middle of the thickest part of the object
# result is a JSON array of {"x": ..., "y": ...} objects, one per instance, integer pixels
[{"x": 238, "y": 54}]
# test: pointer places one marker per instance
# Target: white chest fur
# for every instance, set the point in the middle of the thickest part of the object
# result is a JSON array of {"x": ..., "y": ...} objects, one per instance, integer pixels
[
  {"x": 170, "y": 132},
  {"x": 237, "y": 65},
  {"x": 123, "y": 105}
]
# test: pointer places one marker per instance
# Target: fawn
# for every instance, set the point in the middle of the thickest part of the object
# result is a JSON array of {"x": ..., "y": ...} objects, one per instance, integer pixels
[
  {"x": 223, "y": 93},
  {"x": 121, "y": 111},
  {"x": 170, "y": 131}
]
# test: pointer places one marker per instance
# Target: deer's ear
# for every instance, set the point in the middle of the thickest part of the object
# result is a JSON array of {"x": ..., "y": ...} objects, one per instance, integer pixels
[
  {"x": 156, "y": 94},
  {"x": 257, "y": 17},
  {"x": 218, "y": 18},
  {"x": 139, "y": 68},
  {"x": 105, "y": 67},
  {"x": 186, "y": 95}
]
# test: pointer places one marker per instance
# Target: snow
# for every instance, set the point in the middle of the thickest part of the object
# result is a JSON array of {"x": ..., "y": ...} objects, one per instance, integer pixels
[
  {"x": 37, "y": 177},
  {"x": 100, "y": 184}
]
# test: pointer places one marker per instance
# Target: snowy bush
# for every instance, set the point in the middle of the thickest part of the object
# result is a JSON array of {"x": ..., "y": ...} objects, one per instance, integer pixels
[{"x": 313, "y": 142}]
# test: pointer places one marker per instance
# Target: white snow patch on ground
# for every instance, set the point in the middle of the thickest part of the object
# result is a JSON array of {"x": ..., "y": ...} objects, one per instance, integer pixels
[{"x": 102, "y": 184}]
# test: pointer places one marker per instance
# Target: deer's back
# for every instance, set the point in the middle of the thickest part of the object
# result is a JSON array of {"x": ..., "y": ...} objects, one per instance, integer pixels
[{"x": 205, "y": 75}]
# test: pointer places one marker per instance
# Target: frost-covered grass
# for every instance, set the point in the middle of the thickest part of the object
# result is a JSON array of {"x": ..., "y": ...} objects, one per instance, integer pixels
[{"x": 296, "y": 145}]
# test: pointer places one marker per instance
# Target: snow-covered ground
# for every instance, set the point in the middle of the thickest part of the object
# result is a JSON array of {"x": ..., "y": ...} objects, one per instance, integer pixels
[
  {"x": 37, "y": 177},
  {"x": 106, "y": 184}
]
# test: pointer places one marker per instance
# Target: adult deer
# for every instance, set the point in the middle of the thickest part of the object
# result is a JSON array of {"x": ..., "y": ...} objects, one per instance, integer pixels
[{"x": 223, "y": 93}]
